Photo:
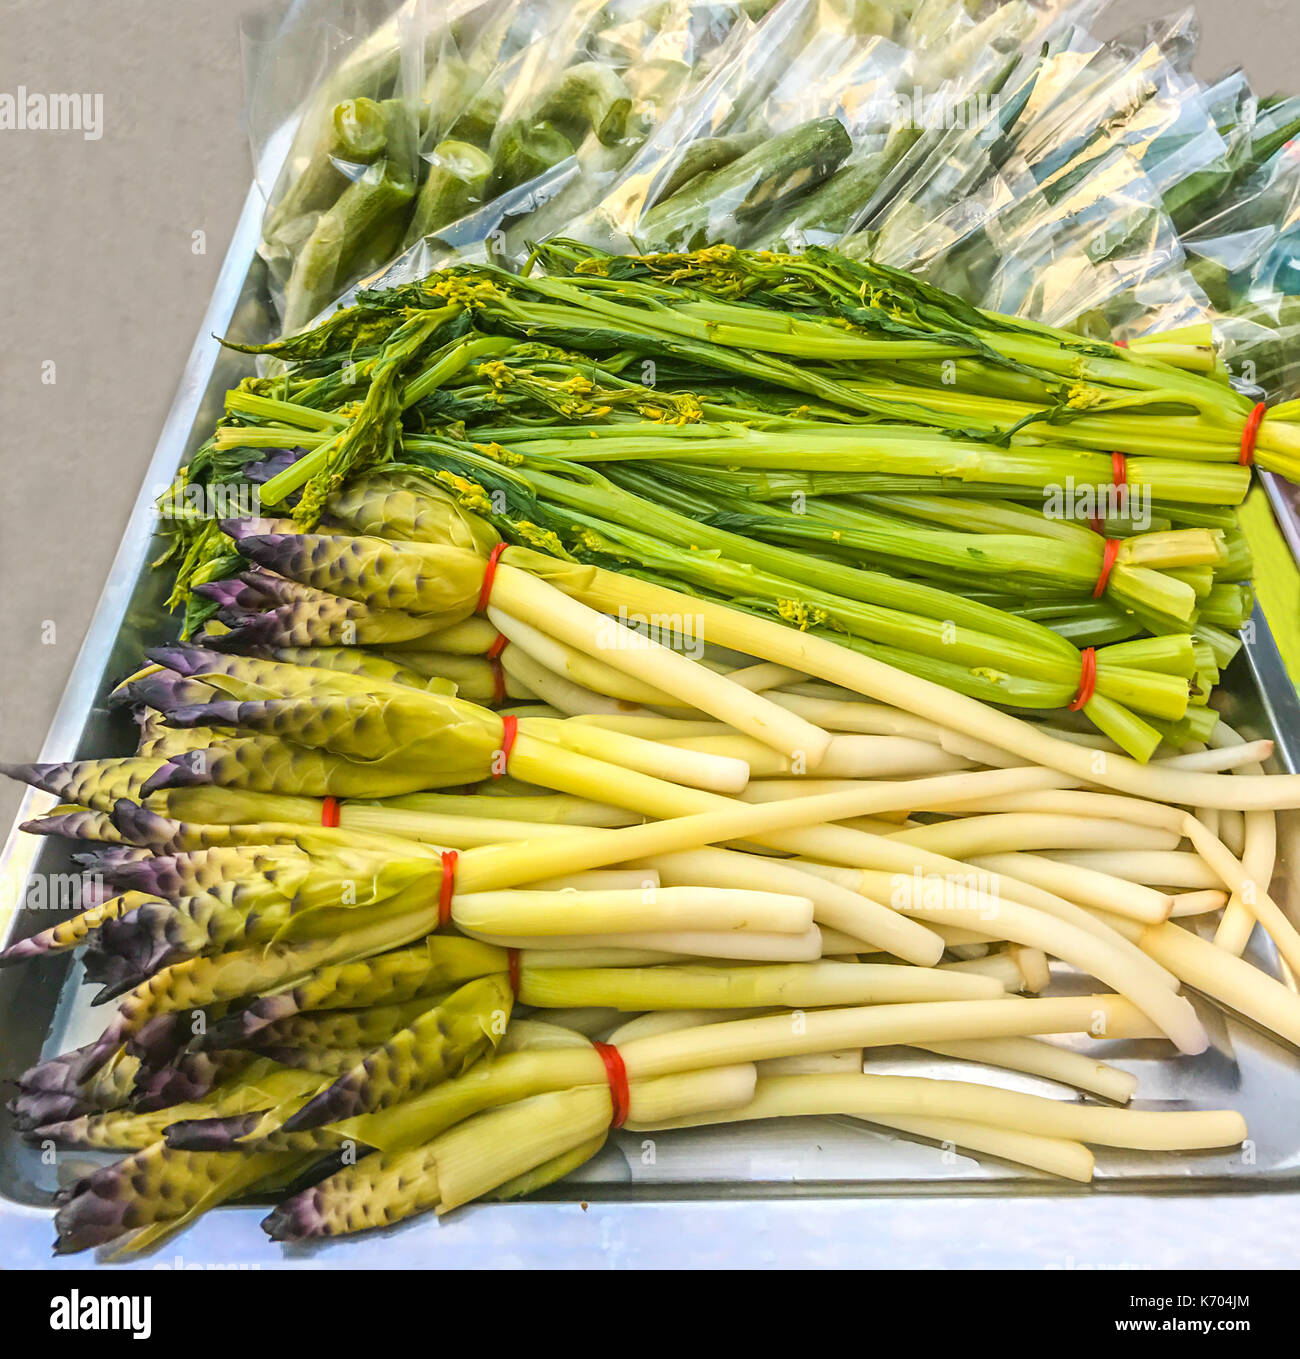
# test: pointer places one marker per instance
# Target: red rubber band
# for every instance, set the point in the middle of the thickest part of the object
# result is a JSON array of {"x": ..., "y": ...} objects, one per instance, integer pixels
[
  {"x": 512, "y": 966},
  {"x": 447, "y": 886},
  {"x": 1087, "y": 679},
  {"x": 1108, "y": 555},
  {"x": 498, "y": 670},
  {"x": 1118, "y": 477},
  {"x": 509, "y": 734},
  {"x": 619, "y": 1095},
  {"x": 489, "y": 575},
  {"x": 1250, "y": 434},
  {"x": 329, "y": 812},
  {"x": 1121, "y": 344}
]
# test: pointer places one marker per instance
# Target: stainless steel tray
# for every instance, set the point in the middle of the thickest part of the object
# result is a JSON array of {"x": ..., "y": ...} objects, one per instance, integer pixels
[
  {"x": 1285, "y": 500},
  {"x": 814, "y": 1191}
]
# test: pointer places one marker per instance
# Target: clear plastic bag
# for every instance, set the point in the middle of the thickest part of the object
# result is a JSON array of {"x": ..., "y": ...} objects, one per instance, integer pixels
[
  {"x": 350, "y": 80},
  {"x": 1247, "y": 259},
  {"x": 1053, "y": 208},
  {"x": 997, "y": 149},
  {"x": 775, "y": 121},
  {"x": 507, "y": 105},
  {"x": 656, "y": 55}
]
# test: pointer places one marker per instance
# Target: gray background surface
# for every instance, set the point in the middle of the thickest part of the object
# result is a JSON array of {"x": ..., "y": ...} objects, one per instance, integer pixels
[{"x": 99, "y": 274}]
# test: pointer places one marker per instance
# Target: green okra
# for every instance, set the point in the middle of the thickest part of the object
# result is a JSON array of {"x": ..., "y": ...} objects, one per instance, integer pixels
[
  {"x": 590, "y": 96},
  {"x": 523, "y": 151},
  {"x": 456, "y": 182},
  {"x": 763, "y": 179}
]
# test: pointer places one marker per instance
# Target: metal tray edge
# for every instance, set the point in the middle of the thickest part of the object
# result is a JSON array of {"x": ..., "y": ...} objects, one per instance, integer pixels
[{"x": 931, "y": 1229}]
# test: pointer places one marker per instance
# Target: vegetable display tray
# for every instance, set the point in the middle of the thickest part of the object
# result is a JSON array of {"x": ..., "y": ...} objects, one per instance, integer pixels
[
  {"x": 827, "y": 1192},
  {"x": 1285, "y": 500}
]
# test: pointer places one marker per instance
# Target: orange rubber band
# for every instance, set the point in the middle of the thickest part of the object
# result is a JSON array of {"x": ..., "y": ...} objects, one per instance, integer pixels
[
  {"x": 489, "y": 575},
  {"x": 1087, "y": 679},
  {"x": 509, "y": 734},
  {"x": 1108, "y": 555},
  {"x": 447, "y": 886},
  {"x": 329, "y": 812},
  {"x": 619, "y": 1095},
  {"x": 1250, "y": 434}
]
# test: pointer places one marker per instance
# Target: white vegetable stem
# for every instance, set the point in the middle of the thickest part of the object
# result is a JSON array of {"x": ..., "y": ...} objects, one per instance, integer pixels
[
  {"x": 813, "y": 836},
  {"x": 1198, "y": 903},
  {"x": 1018, "y": 969},
  {"x": 765, "y": 676},
  {"x": 1003, "y": 833},
  {"x": 1053, "y": 1155},
  {"x": 720, "y": 772},
  {"x": 910, "y": 875},
  {"x": 786, "y": 1035},
  {"x": 863, "y": 1095},
  {"x": 816, "y": 656},
  {"x": 1097, "y": 956},
  {"x": 562, "y": 695},
  {"x": 1084, "y": 886},
  {"x": 833, "y": 905},
  {"x": 847, "y": 756},
  {"x": 525, "y": 596},
  {"x": 880, "y": 719},
  {"x": 1259, "y": 855},
  {"x": 619, "y": 912},
  {"x": 1174, "y": 868},
  {"x": 1252, "y": 893},
  {"x": 789, "y": 984},
  {"x": 1230, "y": 980},
  {"x": 671, "y": 947},
  {"x": 1036, "y": 1057},
  {"x": 573, "y": 666}
]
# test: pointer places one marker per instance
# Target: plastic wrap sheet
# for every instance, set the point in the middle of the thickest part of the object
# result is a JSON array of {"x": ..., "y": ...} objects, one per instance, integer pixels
[{"x": 1247, "y": 259}]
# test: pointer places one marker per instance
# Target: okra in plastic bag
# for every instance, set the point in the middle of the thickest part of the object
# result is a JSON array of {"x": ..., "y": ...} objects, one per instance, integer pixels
[
  {"x": 539, "y": 101},
  {"x": 575, "y": 115},
  {"x": 352, "y": 179},
  {"x": 1052, "y": 209},
  {"x": 771, "y": 125}
]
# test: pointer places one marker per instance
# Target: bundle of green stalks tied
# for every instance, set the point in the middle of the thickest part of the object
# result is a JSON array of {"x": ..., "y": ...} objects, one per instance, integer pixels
[
  {"x": 1031, "y": 519},
  {"x": 475, "y": 817},
  {"x": 771, "y": 912}
]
